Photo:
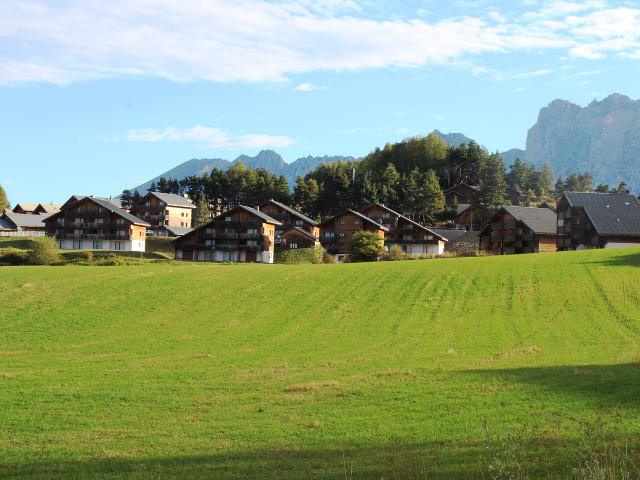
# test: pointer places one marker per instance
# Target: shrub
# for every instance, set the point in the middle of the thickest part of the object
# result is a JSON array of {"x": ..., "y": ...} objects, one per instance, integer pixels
[
  {"x": 365, "y": 247},
  {"x": 300, "y": 255},
  {"x": 13, "y": 256},
  {"x": 88, "y": 256},
  {"x": 328, "y": 258},
  {"x": 395, "y": 253},
  {"x": 44, "y": 251}
]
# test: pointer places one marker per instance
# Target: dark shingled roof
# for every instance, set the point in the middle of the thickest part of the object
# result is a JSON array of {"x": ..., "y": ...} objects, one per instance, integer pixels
[
  {"x": 452, "y": 235},
  {"x": 178, "y": 231},
  {"x": 263, "y": 216},
  {"x": 611, "y": 214},
  {"x": 11, "y": 220},
  {"x": 173, "y": 200},
  {"x": 109, "y": 205},
  {"x": 407, "y": 219},
  {"x": 540, "y": 220},
  {"x": 292, "y": 211}
]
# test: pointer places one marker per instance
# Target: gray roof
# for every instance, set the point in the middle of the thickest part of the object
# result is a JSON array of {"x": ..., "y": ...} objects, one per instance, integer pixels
[
  {"x": 179, "y": 231},
  {"x": 293, "y": 212},
  {"x": 11, "y": 220},
  {"x": 260, "y": 214},
  {"x": 173, "y": 200},
  {"x": 611, "y": 214},
  {"x": 407, "y": 219},
  {"x": 540, "y": 220},
  {"x": 109, "y": 205},
  {"x": 463, "y": 207},
  {"x": 451, "y": 234}
]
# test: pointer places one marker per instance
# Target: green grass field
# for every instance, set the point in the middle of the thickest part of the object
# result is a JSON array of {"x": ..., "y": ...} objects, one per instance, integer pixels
[{"x": 499, "y": 367}]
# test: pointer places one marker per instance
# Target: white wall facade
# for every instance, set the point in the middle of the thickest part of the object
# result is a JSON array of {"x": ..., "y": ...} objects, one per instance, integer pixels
[
  {"x": 225, "y": 256},
  {"x": 108, "y": 245},
  {"x": 426, "y": 248},
  {"x": 621, "y": 245}
]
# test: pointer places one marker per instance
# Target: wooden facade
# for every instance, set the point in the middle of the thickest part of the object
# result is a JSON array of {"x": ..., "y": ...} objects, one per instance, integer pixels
[
  {"x": 242, "y": 234},
  {"x": 336, "y": 232},
  {"x": 412, "y": 237},
  {"x": 587, "y": 220},
  {"x": 93, "y": 223},
  {"x": 461, "y": 193},
  {"x": 514, "y": 230},
  {"x": 289, "y": 219},
  {"x": 163, "y": 210},
  {"x": 297, "y": 237}
]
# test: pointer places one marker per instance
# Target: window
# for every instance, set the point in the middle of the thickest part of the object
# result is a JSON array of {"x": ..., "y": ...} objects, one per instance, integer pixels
[
  {"x": 428, "y": 237},
  {"x": 356, "y": 221},
  {"x": 228, "y": 230},
  {"x": 341, "y": 234},
  {"x": 299, "y": 223},
  {"x": 97, "y": 245},
  {"x": 293, "y": 245},
  {"x": 252, "y": 243},
  {"x": 118, "y": 245},
  {"x": 330, "y": 234},
  {"x": 227, "y": 219},
  {"x": 341, "y": 221},
  {"x": 386, "y": 215},
  {"x": 166, "y": 212},
  {"x": 182, "y": 214},
  {"x": 252, "y": 231},
  {"x": 60, "y": 243},
  {"x": 166, "y": 222}
]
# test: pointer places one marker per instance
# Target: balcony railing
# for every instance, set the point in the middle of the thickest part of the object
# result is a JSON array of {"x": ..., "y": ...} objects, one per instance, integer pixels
[
  {"x": 250, "y": 248},
  {"x": 92, "y": 236},
  {"x": 247, "y": 224},
  {"x": 149, "y": 208}
]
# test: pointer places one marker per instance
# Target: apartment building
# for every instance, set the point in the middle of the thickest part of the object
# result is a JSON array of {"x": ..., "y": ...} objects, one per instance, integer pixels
[
  {"x": 289, "y": 218},
  {"x": 336, "y": 232},
  {"x": 162, "y": 210}
]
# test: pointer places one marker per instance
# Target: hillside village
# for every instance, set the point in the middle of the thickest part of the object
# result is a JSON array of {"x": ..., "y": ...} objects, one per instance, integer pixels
[{"x": 253, "y": 234}]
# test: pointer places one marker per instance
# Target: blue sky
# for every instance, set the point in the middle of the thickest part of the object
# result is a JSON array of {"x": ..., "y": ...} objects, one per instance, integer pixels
[{"x": 98, "y": 96}]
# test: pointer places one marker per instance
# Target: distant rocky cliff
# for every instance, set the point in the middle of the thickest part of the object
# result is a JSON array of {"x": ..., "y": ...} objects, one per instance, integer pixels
[{"x": 603, "y": 138}]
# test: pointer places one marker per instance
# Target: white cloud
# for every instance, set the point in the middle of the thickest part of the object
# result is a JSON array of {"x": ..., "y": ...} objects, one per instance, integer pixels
[
  {"x": 207, "y": 136},
  {"x": 535, "y": 73},
  {"x": 268, "y": 40},
  {"x": 308, "y": 87}
]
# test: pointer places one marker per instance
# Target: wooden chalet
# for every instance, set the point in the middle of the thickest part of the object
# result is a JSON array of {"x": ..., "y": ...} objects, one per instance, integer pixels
[
  {"x": 289, "y": 218},
  {"x": 514, "y": 229},
  {"x": 336, "y": 232},
  {"x": 597, "y": 220},
  {"x": 298, "y": 237},
  {"x": 462, "y": 193},
  {"x": 412, "y": 237},
  {"x": 243, "y": 234},
  {"x": 94, "y": 223},
  {"x": 22, "y": 224},
  {"x": 163, "y": 210}
]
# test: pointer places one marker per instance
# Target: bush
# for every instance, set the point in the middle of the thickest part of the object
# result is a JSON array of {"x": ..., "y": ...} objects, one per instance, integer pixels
[
  {"x": 88, "y": 256},
  {"x": 395, "y": 253},
  {"x": 13, "y": 256},
  {"x": 300, "y": 255},
  {"x": 365, "y": 247},
  {"x": 44, "y": 251},
  {"x": 328, "y": 258}
]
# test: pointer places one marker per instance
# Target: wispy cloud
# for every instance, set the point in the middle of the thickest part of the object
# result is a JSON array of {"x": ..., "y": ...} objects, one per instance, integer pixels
[
  {"x": 308, "y": 87},
  {"x": 261, "y": 40},
  {"x": 535, "y": 73},
  {"x": 207, "y": 136}
]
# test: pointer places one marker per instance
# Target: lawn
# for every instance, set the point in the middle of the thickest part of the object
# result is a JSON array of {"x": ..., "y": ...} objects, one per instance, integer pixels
[{"x": 499, "y": 367}]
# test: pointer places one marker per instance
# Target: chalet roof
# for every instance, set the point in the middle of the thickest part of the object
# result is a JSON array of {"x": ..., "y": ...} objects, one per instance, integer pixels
[
  {"x": 303, "y": 232},
  {"x": 461, "y": 184},
  {"x": 27, "y": 207},
  {"x": 11, "y": 220},
  {"x": 178, "y": 231},
  {"x": 451, "y": 234},
  {"x": 540, "y": 220},
  {"x": 173, "y": 200},
  {"x": 292, "y": 211},
  {"x": 107, "y": 203},
  {"x": 610, "y": 214},
  {"x": 463, "y": 207},
  {"x": 49, "y": 207},
  {"x": 357, "y": 214},
  {"x": 406, "y": 219}
]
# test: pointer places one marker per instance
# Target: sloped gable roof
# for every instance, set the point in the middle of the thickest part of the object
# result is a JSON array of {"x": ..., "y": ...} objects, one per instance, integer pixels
[
  {"x": 357, "y": 214},
  {"x": 406, "y": 219},
  {"x": 292, "y": 211},
  {"x": 178, "y": 231},
  {"x": 173, "y": 200},
  {"x": 27, "y": 207},
  {"x": 540, "y": 220},
  {"x": 301, "y": 231},
  {"x": 610, "y": 214},
  {"x": 23, "y": 220},
  {"x": 103, "y": 202}
]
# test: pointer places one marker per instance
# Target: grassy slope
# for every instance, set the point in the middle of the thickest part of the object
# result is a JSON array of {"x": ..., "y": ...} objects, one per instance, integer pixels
[{"x": 436, "y": 369}]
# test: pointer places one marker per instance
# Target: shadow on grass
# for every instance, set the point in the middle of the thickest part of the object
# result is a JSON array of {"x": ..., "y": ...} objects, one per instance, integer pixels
[
  {"x": 628, "y": 259},
  {"x": 608, "y": 386}
]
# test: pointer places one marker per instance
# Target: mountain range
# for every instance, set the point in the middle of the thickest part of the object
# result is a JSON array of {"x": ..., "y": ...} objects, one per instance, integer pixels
[{"x": 603, "y": 138}]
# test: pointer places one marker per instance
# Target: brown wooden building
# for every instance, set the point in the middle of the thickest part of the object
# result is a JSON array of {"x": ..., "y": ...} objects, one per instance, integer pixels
[
  {"x": 243, "y": 234},
  {"x": 597, "y": 220},
  {"x": 336, "y": 232},
  {"x": 94, "y": 223},
  {"x": 515, "y": 229},
  {"x": 412, "y": 237},
  {"x": 461, "y": 193},
  {"x": 289, "y": 218},
  {"x": 297, "y": 237},
  {"x": 163, "y": 210}
]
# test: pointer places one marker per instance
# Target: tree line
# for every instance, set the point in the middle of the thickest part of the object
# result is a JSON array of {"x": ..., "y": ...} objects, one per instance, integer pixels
[{"x": 410, "y": 176}]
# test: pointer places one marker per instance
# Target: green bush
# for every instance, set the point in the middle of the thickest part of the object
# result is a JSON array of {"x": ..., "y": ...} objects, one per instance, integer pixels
[
  {"x": 300, "y": 255},
  {"x": 395, "y": 253},
  {"x": 13, "y": 256},
  {"x": 365, "y": 247},
  {"x": 44, "y": 251}
]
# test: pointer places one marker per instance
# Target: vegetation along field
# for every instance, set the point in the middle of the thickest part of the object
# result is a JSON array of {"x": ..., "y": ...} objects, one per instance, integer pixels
[{"x": 499, "y": 367}]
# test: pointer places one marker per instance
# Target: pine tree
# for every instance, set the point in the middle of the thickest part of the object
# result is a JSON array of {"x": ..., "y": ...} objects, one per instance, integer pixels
[
  {"x": 4, "y": 200},
  {"x": 493, "y": 190},
  {"x": 126, "y": 198},
  {"x": 282, "y": 192},
  {"x": 432, "y": 197},
  {"x": 202, "y": 213},
  {"x": 388, "y": 183},
  {"x": 547, "y": 178}
]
